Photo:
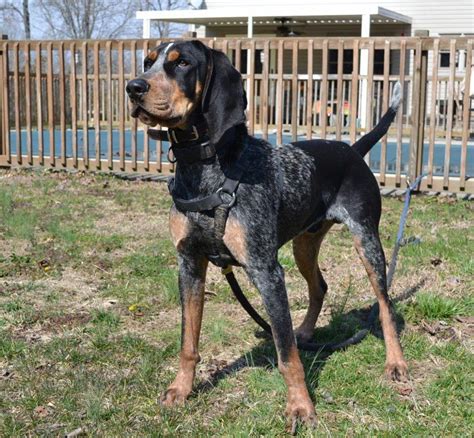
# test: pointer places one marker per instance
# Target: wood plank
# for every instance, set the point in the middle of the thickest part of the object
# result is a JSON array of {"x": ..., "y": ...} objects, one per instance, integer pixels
[
  {"x": 385, "y": 99},
  {"x": 309, "y": 94},
  {"x": 339, "y": 102},
  {"x": 398, "y": 162},
  {"x": 279, "y": 94},
  {"x": 85, "y": 116},
  {"x": 73, "y": 99},
  {"x": 354, "y": 90},
  {"x": 133, "y": 121},
  {"x": 110, "y": 114},
  {"x": 50, "y": 100},
  {"x": 6, "y": 103},
  {"x": 324, "y": 91},
  {"x": 62, "y": 103},
  {"x": 121, "y": 104},
  {"x": 97, "y": 104},
  {"x": 16, "y": 102},
  {"x": 415, "y": 108},
  {"x": 449, "y": 127},
  {"x": 146, "y": 140},
  {"x": 39, "y": 103},
  {"x": 238, "y": 55},
  {"x": 264, "y": 92},
  {"x": 466, "y": 114},
  {"x": 294, "y": 92},
  {"x": 29, "y": 140},
  {"x": 434, "y": 95},
  {"x": 91, "y": 164},
  {"x": 251, "y": 87}
]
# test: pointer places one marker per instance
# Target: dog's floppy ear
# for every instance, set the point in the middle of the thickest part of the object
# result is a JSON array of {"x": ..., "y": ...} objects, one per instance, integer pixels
[{"x": 223, "y": 98}]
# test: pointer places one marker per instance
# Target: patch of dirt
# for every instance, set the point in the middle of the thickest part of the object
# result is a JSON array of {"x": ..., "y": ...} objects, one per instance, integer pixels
[
  {"x": 79, "y": 290},
  {"x": 17, "y": 247},
  {"x": 132, "y": 223},
  {"x": 67, "y": 321}
]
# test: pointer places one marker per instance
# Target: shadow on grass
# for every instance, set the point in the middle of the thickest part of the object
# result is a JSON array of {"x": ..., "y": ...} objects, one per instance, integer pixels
[{"x": 341, "y": 327}]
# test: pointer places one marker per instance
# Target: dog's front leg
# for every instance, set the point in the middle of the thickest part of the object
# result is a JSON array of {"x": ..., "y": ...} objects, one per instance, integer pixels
[
  {"x": 192, "y": 275},
  {"x": 270, "y": 281}
]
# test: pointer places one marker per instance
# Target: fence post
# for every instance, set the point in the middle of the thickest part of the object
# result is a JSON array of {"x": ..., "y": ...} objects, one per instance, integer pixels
[
  {"x": 419, "y": 111},
  {"x": 2, "y": 146}
]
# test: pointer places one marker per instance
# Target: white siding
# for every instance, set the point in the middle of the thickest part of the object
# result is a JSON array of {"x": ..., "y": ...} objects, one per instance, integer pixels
[{"x": 438, "y": 16}]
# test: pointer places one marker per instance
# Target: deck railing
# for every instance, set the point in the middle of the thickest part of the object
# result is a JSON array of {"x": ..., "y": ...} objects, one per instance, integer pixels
[{"x": 64, "y": 103}]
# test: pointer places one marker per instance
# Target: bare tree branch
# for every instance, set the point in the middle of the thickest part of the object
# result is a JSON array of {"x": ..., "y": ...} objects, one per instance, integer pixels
[
  {"x": 163, "y": 28},
  {"x": 23, "y": 13},
  {"x": 86, "y": 19}
]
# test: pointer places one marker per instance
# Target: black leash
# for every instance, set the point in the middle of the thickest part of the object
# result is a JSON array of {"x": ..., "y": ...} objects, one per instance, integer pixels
[{"x": 361, "y": 334}]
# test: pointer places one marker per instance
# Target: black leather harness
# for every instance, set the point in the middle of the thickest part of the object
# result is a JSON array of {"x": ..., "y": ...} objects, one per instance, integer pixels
[{"x": 192, "y": 146}]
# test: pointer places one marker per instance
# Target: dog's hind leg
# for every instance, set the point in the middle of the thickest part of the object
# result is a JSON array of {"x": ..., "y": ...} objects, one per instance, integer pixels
[
  {"x": 306, "y": 250},
  {"x": 362, "y": 218},
  {"x": 370, "y": 252}
]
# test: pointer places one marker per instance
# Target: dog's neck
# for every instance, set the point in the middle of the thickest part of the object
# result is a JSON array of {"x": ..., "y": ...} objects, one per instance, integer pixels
[{"x": 204, "y": 177}]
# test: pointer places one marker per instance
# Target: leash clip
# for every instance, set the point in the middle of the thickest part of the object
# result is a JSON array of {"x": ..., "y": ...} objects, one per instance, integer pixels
[
  {"x": 171, "y": 160},
  {"x": 229, "y": 204}
]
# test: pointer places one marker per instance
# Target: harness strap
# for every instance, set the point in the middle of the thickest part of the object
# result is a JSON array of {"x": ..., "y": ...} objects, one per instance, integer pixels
[{"x": 224, "y": 196}]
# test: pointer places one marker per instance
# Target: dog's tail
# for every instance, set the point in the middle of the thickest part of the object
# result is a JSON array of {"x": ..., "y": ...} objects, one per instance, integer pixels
[{"x": 369, "y": 140}]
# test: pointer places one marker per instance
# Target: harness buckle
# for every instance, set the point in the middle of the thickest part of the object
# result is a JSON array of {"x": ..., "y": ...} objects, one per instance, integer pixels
[
  {"x": 173, "y": 139},
  {"x": 226, "y": 203}
]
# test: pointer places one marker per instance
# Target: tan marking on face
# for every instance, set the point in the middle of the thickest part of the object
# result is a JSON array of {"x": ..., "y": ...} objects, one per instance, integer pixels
[
  {"x": 173, "y": 55},
  {"x": 181, "y": 104},
  {"x": 179, "y": 228},
  {"x": 235, "y": 238},
  {"x": 152, "y": 55}
]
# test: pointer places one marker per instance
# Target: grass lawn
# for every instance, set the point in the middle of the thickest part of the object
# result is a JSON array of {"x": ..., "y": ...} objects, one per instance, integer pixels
[{"x": 90, "y": 322}]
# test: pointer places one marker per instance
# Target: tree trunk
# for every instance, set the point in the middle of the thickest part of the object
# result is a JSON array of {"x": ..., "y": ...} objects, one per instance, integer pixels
[{"x": 26, "y": 19}]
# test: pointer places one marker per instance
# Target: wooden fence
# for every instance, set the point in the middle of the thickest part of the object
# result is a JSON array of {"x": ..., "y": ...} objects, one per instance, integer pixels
[{"x": 64, "y": 103}]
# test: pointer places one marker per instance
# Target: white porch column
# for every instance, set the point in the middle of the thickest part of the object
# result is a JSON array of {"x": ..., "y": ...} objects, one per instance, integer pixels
[
  {"x": 146, "y": 28},
  {"x": 363, "y": 71},
  {"x": 249, "y": 35}
]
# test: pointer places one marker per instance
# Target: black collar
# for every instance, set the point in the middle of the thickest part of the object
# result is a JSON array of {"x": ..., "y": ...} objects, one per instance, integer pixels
[{"x": 188, "y": 146}]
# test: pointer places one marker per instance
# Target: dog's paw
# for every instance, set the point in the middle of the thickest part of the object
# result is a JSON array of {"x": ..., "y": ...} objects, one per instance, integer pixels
[
  {"x": 397, "y": 371},
  {"x": 300, "y": 412},
  {"x": 173, "y": 396}
]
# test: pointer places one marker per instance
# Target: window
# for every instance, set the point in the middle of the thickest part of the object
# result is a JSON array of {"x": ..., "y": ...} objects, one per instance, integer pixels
[
  {"x": 444, "y": 58},
  {"x": 347, "y": 64}
]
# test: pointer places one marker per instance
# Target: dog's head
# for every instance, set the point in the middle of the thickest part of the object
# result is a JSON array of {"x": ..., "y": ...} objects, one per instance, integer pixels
[{"x": 185, "y": 78}]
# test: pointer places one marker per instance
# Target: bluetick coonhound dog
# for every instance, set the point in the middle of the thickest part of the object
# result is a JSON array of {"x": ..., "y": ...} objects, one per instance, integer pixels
[{"x": 273, "y": 195}]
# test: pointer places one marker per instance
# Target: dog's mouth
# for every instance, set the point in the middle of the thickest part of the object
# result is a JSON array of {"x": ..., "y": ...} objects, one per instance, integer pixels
[{"x": 150, "y": 119}]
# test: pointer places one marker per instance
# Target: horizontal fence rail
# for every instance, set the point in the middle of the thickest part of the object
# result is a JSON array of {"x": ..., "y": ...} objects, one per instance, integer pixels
[{"x": 64, "y": 103}]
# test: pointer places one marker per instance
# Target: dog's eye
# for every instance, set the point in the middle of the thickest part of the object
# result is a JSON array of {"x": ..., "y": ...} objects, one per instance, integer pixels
[
  {"x": 183, "y": 63},
  {"x": 147, "y": 64}
]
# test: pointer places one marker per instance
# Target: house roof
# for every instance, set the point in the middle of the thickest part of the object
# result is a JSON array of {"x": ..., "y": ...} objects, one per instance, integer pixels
[{"x": 329, "y": 14}]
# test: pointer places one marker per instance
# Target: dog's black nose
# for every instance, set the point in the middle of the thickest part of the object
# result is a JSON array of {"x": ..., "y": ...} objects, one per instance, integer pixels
[{"x": 137, "y": 87}]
